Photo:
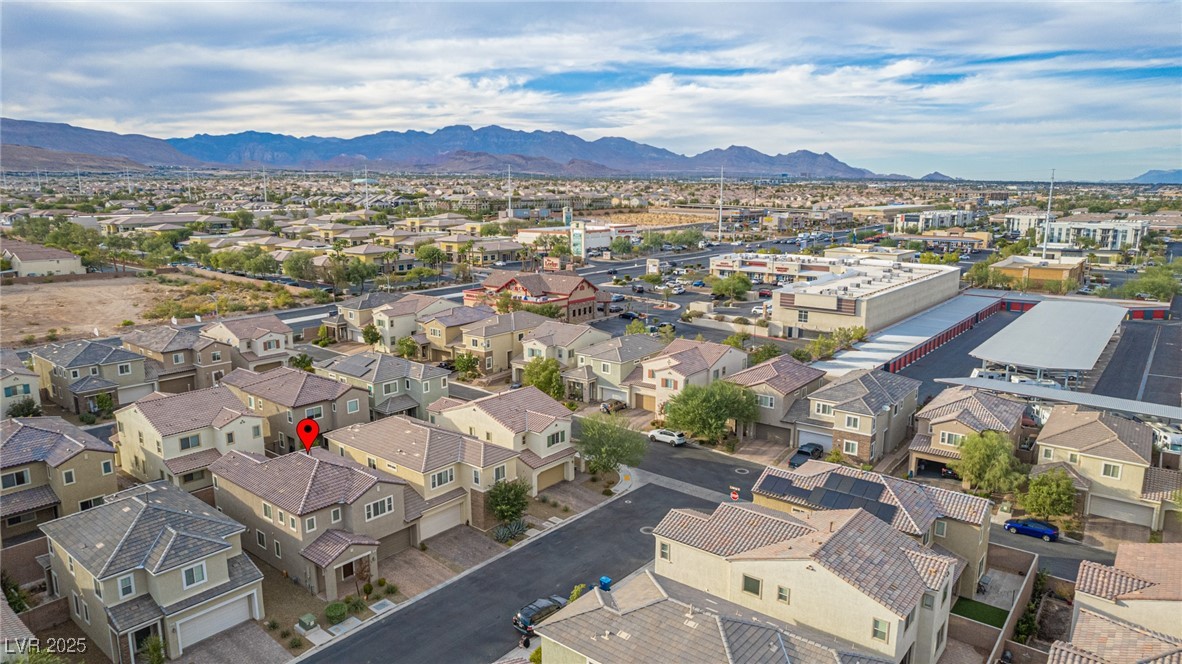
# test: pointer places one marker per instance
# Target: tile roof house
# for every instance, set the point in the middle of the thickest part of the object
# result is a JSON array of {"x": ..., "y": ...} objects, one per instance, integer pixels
[
  {"x": 75, "y": 373},
  {"x": 50, "y": 468},
  {"x": 950, "y": 522},
  {"x": 1098, "y": 638},
  {"x": 152, "y": 560},
  {"x": 315, "y": 516},
  {"x": 1110, "y": 459},
  {"x": 1142, "y": 586},
  {"x": 574, "y": 295},
  {"x": 175, "y": 437},
  {"x": 955, "y": 414},
  {"x": 560, "y": 341},
  {"x": 603, "y": 367},
  {"x": 777, "y": 383},
  {"x": 357, "y": 312},
  {"x": 866, "y": 414},
  {"x": 19, "y": 381},
  {"x": 893, "y": 594},
  {"x": 660, "y": 377},
  {"x": 440, "y": 332},
  {"x": 396, "y": 386},
  {"x": 650, "y": 618},
  {"x": 182, "y": 359},
  {"x": 496, "y": 340},
  {"x": 450, "y": 472},
  {"x": 35, "y": 260},
  {"x": 399, "y": 318},
  {"x": 257, "y": 343},
  {"x": 526, "y": 421}
]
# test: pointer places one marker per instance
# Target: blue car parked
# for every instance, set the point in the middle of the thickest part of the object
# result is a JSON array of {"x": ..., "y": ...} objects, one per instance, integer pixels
[{"x": 1034, "y": 528}]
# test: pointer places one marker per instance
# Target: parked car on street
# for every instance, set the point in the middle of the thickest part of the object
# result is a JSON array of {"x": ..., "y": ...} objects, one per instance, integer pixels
[
  {"x": 804, "y": 453},
  {"x": 699, "y": 284},
  {"x": 1034, "y": 528},
  {"x": 637, "y": 288},
  {"x": 499, "y": 263},
  {"x": 613, "y": 271},
  {"x": 629, "y": 315},
  {"x": 617, "y": 297},
  {"x": 761, "y": 309},
  {"x": 535, "y": 612},
  {"x": 674, "y": 438},
  {"x": 612, "y": 405},
  {"x": 614, "y": 308},
  {"x": 765, "y": 292}
]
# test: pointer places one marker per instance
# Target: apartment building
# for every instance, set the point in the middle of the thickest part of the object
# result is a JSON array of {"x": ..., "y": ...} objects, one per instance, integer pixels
[
  {"x": 777, "y": 383},
  {"x": 925, "y": 220},
  {"x": 75, "y": 373},
  {"x": 19, "y": 381},
  {"x": 1103, "y": 232},
  {"x": 954, "y": 415},
  {"x": 318, "y": 517},
  {"x": 175, "y": 437},
  {"x": 496, "y": 340},
  {"x": 684, "y": 362},
  {"x": 1021, "y": 220},
  {"x": 181, "y": 359},
  {"x": 258, "y": 343},
  {"x": 396, "y": 386},
  {"x": 601, "y": 369},
  {"x": 50, "y": 468},
  {"x": 399, "y": 318},
  {"x": 284, "y": 396},
  {"x": 152, "y": 561}
]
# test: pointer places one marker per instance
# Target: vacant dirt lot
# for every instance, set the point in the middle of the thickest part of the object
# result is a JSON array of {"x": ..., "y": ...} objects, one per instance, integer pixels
[{"x": 74, "y": 308}]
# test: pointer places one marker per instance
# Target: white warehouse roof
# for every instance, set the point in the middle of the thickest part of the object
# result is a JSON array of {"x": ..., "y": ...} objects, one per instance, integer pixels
[{"x": 1054, "y": 335}]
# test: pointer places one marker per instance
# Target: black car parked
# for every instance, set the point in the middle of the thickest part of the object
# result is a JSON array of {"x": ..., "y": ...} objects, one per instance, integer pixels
[
  {"x": 535, "y": 612},
  {"x": 806, "y": 452}
]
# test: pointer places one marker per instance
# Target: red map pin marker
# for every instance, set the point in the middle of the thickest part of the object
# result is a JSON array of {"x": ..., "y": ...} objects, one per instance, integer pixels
[{"x": 307, "y": 430}]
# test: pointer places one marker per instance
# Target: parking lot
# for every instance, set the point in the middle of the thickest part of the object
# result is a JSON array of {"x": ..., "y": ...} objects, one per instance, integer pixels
[
  {"x": 1147, "y": 363},
  {"x": 952, "y": 360}
]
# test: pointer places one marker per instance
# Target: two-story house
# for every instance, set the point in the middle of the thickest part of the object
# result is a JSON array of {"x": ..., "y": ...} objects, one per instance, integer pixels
[
  {"x": 527, "y": 421},
  {"x": 399, "y": 318},
  {"x": 19, "y": 381},
  {"x": 1098, "y": 638},
  {"x": 1142, "y": 586},
  {"x": 357, "y": 312},
  {"x": 440, "y": 332},
  {"x": 496, "y": 340},
  {"x": 396, "y": 386},
  {"x": 284, "y": 396},
  {"x": 948, "y": 522},
  {"x": 599, "y": 370},
  {"x": 893, "y": 595},
  {"x": 450, "y": 473},
  {"x": 684, "y": 362},
  {"x": 49, "y": 468},
  {"x": 1109, "y": 458},
  {"x": 315, "y": 516},
  {"x": 556, "y": 340},
  {"x": 182, "y": 359},
  {"x": 174, "y": 437},
  {"x": 573, "y": 294},
  {"x": 865, "y": 414},
  {"x": 777, "y": 383},
  {"x": 75, "y": 373},
  {"x": 954, "y": 415},
  {"x": 257, "y": 343},
  {"x": 152, "y": 561}
]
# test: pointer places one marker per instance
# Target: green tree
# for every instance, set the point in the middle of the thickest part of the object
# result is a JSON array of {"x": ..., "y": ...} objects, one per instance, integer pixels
[
  {"x": 467, "y": 364},
  {"x": 737, "y": 340},
  {"x": 262, "y": 264},
  {"x": 636, "y": 326},
  {"x": 547, "y": 310},
  {"x": 370, "y": 334},
  {"x": 987, "y": 462},
  {"x": 302, "y": 361},
  {"x": 24, "y": 408},
  {"x": 360, "y": 272},
  {"x": 491, "y": 229},
  {"x": 421, "y": 274},
  {"x": 431, "y": 255},
  {"x": 801, "y": 355},
  {"x": 298, "y": 265},
  {"x": 733, "y": 287},
  {"x": 822, "y": 347},
  {"x": 242, "y": 218},
  {"x": 153, "y": 650},
  {"x": 508, "y": 500},
  {"x": 105, "y": 403},
  {"x": 621, "y": 246},
  {"x": 577, "y": 592},
  {"x": 406, "y": 347},
  {"x": 761, "y": 354},
  {"x": 1049, "y": 494},
  {"x": 544, "y": 373},
  {"x": 38, "y": 656},
  {"x": 706, "y": 411},
  {"x": 835, "y": 456},
  {"x": 606, "y": 442},
  {"x": 653, "y": 279}
]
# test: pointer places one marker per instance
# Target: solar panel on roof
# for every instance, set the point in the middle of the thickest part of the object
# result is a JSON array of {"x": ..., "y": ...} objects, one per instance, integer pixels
[
  {"x": 846, "y": 484},
  {"x": 775, "y": 484},
  {"x": 874, "y": 490},
  {"x": 832, "y": 481}
]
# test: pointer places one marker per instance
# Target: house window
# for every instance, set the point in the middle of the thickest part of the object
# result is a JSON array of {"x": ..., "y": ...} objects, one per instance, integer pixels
[
  {"x": 665, "y": 553},
  {"x": 352, "y": 406},
  {"x": 260, "y": 538},
  {"x": 928, "y": 601},
  {"x": 215, "y": 482},
  {"x": 879, "y": 630},
  {"x": 194, "y": 575},
  {"x": 498, "y": 473},
  {"x": 216, "y": 356},
  {"x": 443, "y": 382},
  {"x": 390, "y": 388},
  {"x": 189, "y": 442},
  {"x": 94, "y": 371},
  {"x": 406, "y": 383},
  {"x": 752, "y": 585},
  {"x": 140, "y": 434},
  {"x": 67, "y": 477},
  {"x": 229, "y": 438},
  {"x": 19, "y": 478},
  {"x": 335, "y": 515},
  {"x": 93, "y": 502},
  {"x": 1048, "y": 453},
  {"x": 475, "y": 343},
  {"x": 802, "y": 316},
  {"x": 70, "y": 564},
  {"x": 1111, "y": 470},
  {"x": 272, "y": 344},
  {"x": 380, "y": 507},
  {"x": 250, "y": 402},
  {"x": 1073, "y": 458},
  {"x": 289, "y": 418},
  {"x": 850, "y": 447},
  {"x": 309, "y": 524},
  {"x": 907, "y": 623},
  {"x": 178, "y": 358},
  {"x": 783, "y": 595},
  {"x": 315, "y": 412},
  {"x": 823, "y": 409},
  {"x": 108, "y": 467},
  {"x": 124, "y": 369},
  {"x": 941, "y": 529},
  {"x": 556, "y": 438},
  {"x": 256, "y": 431},
  {"x": 278, "y": 549},
  {"x": 852, "y": 422},
  {"x": 371, "y": 462},
  {"x": 73, "y": 373},
  {"x": 488, "y": 362},
  {"x": 334, "y": 407},
  {"x": 944, "y": 596},
  {"x": 953, "y": 439},
  {"x": 126, "y": 586},
  {"x": 266, "y": 511},
  {"x": 194, "y": 476},
  {"x": 766, "y": 401},
  {"x": 940, "y": 636},
  {"x": 442, "y": 478},
  {"x": 476, "y": 476}
]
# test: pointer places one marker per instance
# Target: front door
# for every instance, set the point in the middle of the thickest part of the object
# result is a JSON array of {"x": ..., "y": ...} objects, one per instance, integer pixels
[{"x": 347, "y": 570}]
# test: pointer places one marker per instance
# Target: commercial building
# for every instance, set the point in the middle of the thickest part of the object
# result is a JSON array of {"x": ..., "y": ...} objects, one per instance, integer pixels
[
  {"x": 1032, "y": 273},
  {"x": 926, "y": 220},
  {"x": 1021, "y": 220},
  {"x": 574, "y": 296},
  {"x": 1096, "y": 231}
]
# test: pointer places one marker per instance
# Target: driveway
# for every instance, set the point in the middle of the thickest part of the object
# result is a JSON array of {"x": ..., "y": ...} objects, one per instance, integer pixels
[
  {"x": 1104, "y": 533},
  {"x": 763, "y": 452},
  {"x": 413, "y": 571},
  {"x": 462, "y": 547},
  {"x": 247, "y": 643}
]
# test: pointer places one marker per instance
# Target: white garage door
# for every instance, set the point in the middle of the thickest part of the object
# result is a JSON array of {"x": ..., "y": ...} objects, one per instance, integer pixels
[
  {"x": 822, "y": 439},
  {"x": 1140, "y": 515},
  {"x": 214, "y": 621},
  {"x": 437, "y": 522},
  {"x": 608, "y": 393},
  {"x": 131, "y": 394}
]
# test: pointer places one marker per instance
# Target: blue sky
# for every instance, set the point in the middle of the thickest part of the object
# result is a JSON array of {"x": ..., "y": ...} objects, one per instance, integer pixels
[{"x": 971, "y": 89}]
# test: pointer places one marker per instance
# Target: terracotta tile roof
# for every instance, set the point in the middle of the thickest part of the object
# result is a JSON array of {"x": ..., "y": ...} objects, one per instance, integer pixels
[
  {"x": 288, "y": 387},
  {"x": 171, "y": 414},
  {"x": 410, "y": 304},
  {"x": 980, "y": 411},
  {"x": 443, "y": 403},
  {"x": 1161, "y": 483},
  {"x": 556, "y": 333},
  {"x": 49, "y": 439},
  {"x": 458, "y": 316},
  {"x": 524, "y": 409},
  {"x": 252, "y": 327},
  {"x": 331, "y": 544},
  {"x": 416, "y": 505},
  {"x": 1097, "y": 434},
  {"x": 1097, "y": 638},
  {"x": 625, "y": 348},
  {"x": 1140, "y": 572},
  {"x": 536, "y": 284},
  {"x": 865, "y": 391},
  {"x": 27, "y": 500},
  {"x": 687, "y": 357},
  {"x": 529, "y": 458},
  {"x": 514, "y": 321},
  {"x": 784, "y": 374},
  {"x": 190, "y": 462},
  {"x": 419, "y": 445},
  {"x": 922, "y": 443},
  {"x": 370, "y": 300}
]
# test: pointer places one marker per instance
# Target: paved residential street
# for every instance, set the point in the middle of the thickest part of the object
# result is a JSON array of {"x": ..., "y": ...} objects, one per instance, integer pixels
[
  {"x": 1060, "y": 558},
  {"x": 469, "y": 620}
]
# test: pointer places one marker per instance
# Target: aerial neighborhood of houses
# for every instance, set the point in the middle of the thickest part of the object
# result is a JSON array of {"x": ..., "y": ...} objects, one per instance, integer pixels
[{"x": 823, "y": 423}]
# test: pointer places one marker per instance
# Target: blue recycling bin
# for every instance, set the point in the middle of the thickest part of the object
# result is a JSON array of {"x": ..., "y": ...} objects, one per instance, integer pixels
[{"x": 605, "y": 583}]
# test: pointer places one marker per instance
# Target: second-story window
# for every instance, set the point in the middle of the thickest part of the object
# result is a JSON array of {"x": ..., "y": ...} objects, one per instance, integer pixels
[
  {"x": 124, "y": 369},
  {"x": 880, "y": 630},
  {"x": 215, "y": 356},
  {"x": 556, "y": 438},
  {"x": 442, "y": 478},
  {"x": 852, "y": 422},
  {"x": 189, "y": 442},
  {"x": 315, "y": 412},
  {"x": 953, "y": 439},
  {"x": 178, "y": 358},
  {"x": 229, "y": 438},
  {"x": 194, "y": 576}
]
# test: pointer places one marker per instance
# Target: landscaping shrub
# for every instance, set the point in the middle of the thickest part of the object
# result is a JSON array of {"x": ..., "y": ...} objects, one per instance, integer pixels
[
  {"x": 335, "y": 612},
  {"x": 594, "y": 478},
  {"x": 283, "y": 634},
  {"x": 381, "y": 581},
  {"x": 511, "y": 530},
  {"x": 566, "y": 508},
  {"x": 295, "y": 643},
  {"x": 762, "y": 322},
  {"x": 29, "y": 340},
  {"x": 354, "y": 604},
  {"x": 367, "y": 589},
  {"x": 422, "y": 546},
  {"x": 87, "y": 418},
  {"x": 127, "y": 323},
  {"x": 51, "y": 335},
  {"x": 390, "y": 589},
  {"x": 535, "y": 657},
  {"x": 741, "y": 320},
  {"x": 272, "y": 625},
  {"x": 607, "y": 492}
]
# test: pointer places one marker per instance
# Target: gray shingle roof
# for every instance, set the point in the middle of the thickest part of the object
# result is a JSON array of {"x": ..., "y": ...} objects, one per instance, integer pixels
[
  {"x": 165, "y": 339},
  {"x": 418, "y": 445},
  {"x": 122, "y": 533},
  {"x": 27, "y": 500},
  {"x": 411, "y": 304},
  {"x": 370, "y": 300},
  {"x": 520, "y": 410},
  {"x": 784, "y": 374},
  {"x": 458, "y": 316},
  {"x": 300, "y": 483},
  {"x": 514, "y": 321},
  {"x": 49, "y": 439},
  {"x": 290, "y": 388},
  {"x": 332, "y": 543},
  {"x": 626, "y": 348},
  {"x": 866, "y": 392},
  {"x": 397, "y": 404},
  {"x": 253, "y": 327},
  {"x": 134, "y": 612},
  {"x": 84, "y": 353},
  {"x": 557, "y": 333},
  {"x": 242, "y": 572},
  {"x": 380, "y": 368},
  {"x": 91, "y": 384},
  {"x": 10, "y": 364},
  {"x": 171, "y": 414},
  {"x": 977, "y": 410}
]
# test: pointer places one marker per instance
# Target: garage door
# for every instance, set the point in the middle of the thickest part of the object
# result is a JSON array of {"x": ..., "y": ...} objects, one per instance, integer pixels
[
  {"x": 437, "y": 522},
  {"x": 822, "y": 439},
  {"x": 131, "y": 394},
  {"x": 393, "y": 543},
  {"x": 551, "y": 476},
  {"x": 1140, "y": 515},
  {"x": 605, "y": 394},
  {"x": 647, "y": 402},
  {"x": 214, "y": 621}
]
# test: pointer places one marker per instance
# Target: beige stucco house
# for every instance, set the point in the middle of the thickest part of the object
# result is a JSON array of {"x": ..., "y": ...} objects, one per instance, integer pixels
[
  {"x": 1142, "y": 586},
  {"x": 396, "y": 386},
  {"x": 440, "y": 332},
  {"x": 496, "y": 340},
  {"x": 181, "y": 359},
  {"x": 35, "y": 260},
  {"x": 955, "y": 414},
  {"x": 19, "y": 381},
  {"x": 684, "y": 362},
  {"x": 258, "y": 343},
  {"x": 560, "y": 341},
  {"x": 777, "y": 383},
  {"x": 601, "y": 369},
  {"x": 399, "y": 318},
  {"x": 75, "y": 373}
]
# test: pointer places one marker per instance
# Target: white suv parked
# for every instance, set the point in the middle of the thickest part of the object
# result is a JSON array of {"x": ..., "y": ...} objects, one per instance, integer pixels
[{"x": 674, "y": 438}]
